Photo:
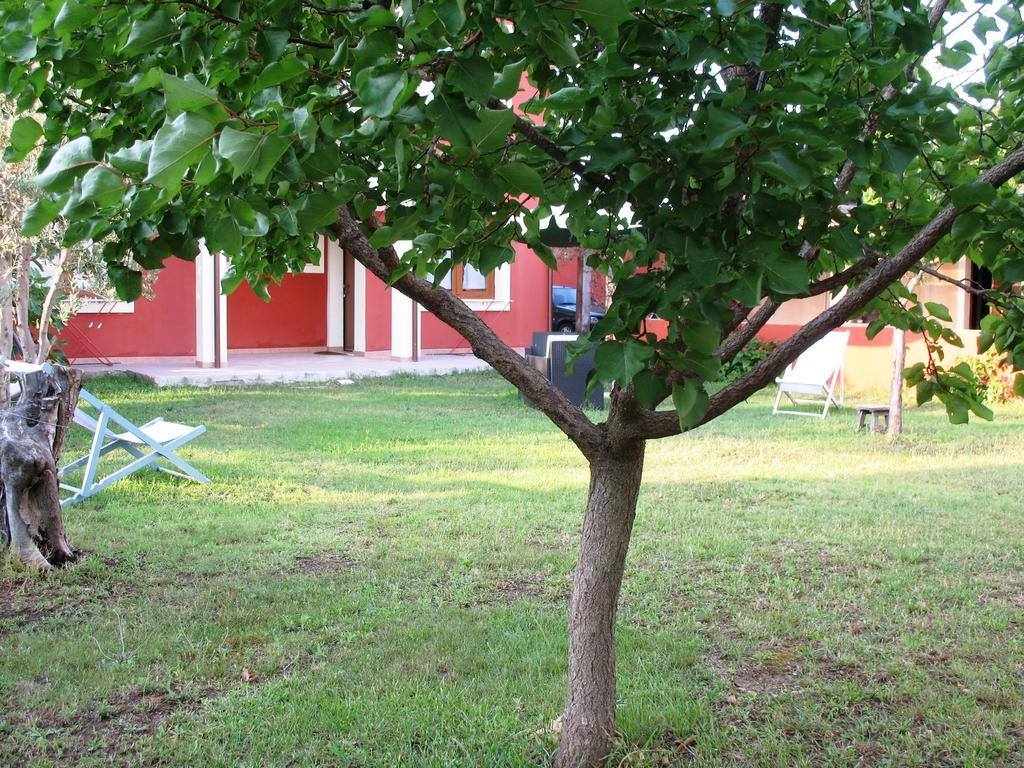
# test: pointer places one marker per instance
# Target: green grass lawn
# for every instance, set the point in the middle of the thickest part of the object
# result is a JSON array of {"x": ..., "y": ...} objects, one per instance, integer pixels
[{"x": 378, "y": 576}]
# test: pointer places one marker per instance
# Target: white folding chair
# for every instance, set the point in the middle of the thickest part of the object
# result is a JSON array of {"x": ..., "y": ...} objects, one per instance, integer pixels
[
  {"x": 148, "y": 444},
  {"x": 815, "y": 377}
]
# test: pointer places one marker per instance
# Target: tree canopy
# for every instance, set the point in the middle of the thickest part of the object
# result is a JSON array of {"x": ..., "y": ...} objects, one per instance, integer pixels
[{"x": 706, "y": 151}]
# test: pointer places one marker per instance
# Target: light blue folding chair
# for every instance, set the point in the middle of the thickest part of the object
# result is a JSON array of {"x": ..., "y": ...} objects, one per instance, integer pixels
[{"x": 149, "y": 443}]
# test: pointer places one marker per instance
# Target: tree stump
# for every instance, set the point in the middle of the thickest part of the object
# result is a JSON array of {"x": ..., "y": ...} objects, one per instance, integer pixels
[{"x": 31, "y": 438}]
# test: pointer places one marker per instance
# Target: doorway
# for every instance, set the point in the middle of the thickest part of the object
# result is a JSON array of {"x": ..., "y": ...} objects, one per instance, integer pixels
[
  {"x": 348, "y": 292},
  {"x": 981, "y": 277}
]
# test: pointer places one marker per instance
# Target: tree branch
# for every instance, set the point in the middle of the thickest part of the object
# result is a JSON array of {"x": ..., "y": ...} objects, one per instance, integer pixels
[
  {"x": 529, "y": 132},
  {"x": 652, "y": 424},
  {"x": 742, "y": 336},
  {"x": 486, "y": 345}
]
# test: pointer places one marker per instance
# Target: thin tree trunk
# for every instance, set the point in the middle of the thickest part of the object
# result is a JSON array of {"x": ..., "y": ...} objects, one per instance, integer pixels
[
  {"x": 899, "y": 359},
  {"x": 6, "y": 326},
  {"x": 588, "y": 725},
  {"x": 21, "y": 304},
  {"x": 59, "y": 274}
]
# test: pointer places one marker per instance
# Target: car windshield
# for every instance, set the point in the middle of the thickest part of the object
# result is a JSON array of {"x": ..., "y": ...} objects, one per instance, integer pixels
[{"x": 563, "y": 295}]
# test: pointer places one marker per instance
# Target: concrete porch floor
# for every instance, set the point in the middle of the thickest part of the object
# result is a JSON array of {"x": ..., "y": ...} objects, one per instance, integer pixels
[{"x": 279, "y": 368}]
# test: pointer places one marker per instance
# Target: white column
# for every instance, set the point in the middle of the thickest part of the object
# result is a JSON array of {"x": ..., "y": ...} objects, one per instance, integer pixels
[
  {"x": 208, "y": 294},
  {"x": 401, "y": 326},
  {"x": 359, "y": 310},
  {"x": 402, "y": 309},
  {"x": 335, "y": 267}
]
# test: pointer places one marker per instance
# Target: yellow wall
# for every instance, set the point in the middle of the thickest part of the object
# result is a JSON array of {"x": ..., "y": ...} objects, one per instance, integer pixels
[{"x": 869, "y": 367}]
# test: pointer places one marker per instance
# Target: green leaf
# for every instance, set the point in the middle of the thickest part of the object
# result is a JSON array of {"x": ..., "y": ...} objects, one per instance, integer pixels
[
  {"x": 621, "y": 361},
  {"x": 558, "y": 46},
  {"x": 454, "y": 121},
  {"x": 315, "y": 211},
  {"x": 966, "y": 226},
  {"x": 493, "y": 130},
  {"x": 748, "y": 287},
  {"x": 702, "y": 338},
  {"x": 148, "y": 34},
  {"x": 690, "y": 401},
  {"x": 380, "y": 89},
  {"x": 605, "y": 16},
  {"x": 222, "y": 234},
  {"x": 896, "y": 156},
  {"x": 786, "y": 274},
  {"x": 916, "y": 33},
  {"x": 71, "y": 16},
  {"x": 271, "y": 151},
  {"x": 938, "y": 310},
  {"x": 473, "y": 76},
  {"x": 784, "y": 167},
  {"x": 24, "y": 134},
  {"x": 725, "y": 7},
  {"x": 506, "y": 85},
  {"x": 19, "y": 45},
  {"x": 650, "y": 388},
  {"x": 567, "y": 99},
  {"x": 521, "y": 178},
  {"x": 707, "y": 367},
  {"x": 38, "y": 215},
  {"x": 134, "y": 159},
  {"x": 452, "y": 15},
  {"x": 189, "y": 95},
  {"x": 952, "y": 58},
  {"x": 240, "y": 149},
  {"x": 983, "y": 26},
  {"x": 723, "y": 127},
  {"x": 177, "y": 146},
  {"x": 981, "y": 410},
  {"x": 70, "y": 161},
  {"x": 127, "y": 282},
  {"x": 279, "y": 72},
  {"x": 1018, "y": 385},
  {"x": 975, "y": 193},
  {"x": 102, "y": 186},
  {"x": 270, "y": 44}
]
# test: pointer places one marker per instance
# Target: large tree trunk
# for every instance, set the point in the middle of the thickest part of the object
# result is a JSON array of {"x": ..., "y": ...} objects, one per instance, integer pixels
[
  {"x": 588, "y": 725},
  {"x": 31, "y": 437}
]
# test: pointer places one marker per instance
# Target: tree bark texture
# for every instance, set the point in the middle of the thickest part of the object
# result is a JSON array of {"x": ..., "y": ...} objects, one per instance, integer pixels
[
  {"x": 21, "y": 305},
  {"x": 6, "y": 325},
  {"x": 31, "y": 437},
  {"x": 899, "y": 359},
  {"x": 588, "y": 725}
]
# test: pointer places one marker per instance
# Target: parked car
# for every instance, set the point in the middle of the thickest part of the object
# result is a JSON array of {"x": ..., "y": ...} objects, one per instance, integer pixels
[{"x": 563, "y": 310}]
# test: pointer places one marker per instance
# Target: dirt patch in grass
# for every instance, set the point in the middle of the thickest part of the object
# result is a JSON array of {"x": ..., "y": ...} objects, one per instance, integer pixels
[
  {"x": 773, "y": 671},
  {"x": 324, "y": 562},
  {"x": 113, "y": 727},
  {"x": 29, "y": 601},
  {"x": 520, "y": 586}
]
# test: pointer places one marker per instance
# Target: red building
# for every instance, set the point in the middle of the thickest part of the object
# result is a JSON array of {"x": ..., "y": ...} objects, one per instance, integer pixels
[{"x": 336, "y": 305}]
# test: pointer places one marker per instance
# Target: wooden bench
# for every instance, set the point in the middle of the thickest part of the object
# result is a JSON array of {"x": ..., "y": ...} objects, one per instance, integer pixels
[{"x": 878, "y": 413}]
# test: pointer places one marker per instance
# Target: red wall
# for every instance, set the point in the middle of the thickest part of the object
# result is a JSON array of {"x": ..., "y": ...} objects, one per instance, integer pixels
[
  {"x": 378, "y": 314},
  {"x": 165, "y": 325},
  {"x": 530, "y": 311},
  {"x": 296, "y": 315},
  {"x": 778, "y": 332}
]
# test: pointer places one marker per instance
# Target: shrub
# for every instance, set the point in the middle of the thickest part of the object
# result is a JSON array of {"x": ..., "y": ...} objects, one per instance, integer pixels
[
  {"x": 995, "y": 380},
  {"x": 748, "y": 357}
]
